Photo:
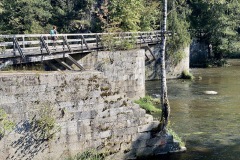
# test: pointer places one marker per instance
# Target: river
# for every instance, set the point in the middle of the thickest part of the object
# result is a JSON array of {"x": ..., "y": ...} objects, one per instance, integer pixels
[{"x": 208, "y": 124}]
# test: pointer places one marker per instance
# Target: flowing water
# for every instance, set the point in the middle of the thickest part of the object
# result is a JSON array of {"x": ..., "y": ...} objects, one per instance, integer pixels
[{"x": 208, "y": 124}]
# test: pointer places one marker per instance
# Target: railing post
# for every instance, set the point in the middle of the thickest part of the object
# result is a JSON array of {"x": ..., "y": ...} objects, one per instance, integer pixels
[
  {"x": 23, "y": 41},
  {"x": 64, "y": 43},
  {"x": 14, "y": 47},
  {"x": 97, "y": 40},
  {"x": 18, "y": 48},
  {"x": 41, "y": 45},
  {"x": 81, "y": 43}
]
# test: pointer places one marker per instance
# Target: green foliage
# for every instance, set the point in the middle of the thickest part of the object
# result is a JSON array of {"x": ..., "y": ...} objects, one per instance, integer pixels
[
  {"x": 45, "y": 124},
  {"x": 5, "y": 123},
  {"x": 72, "y": 16},
  {"x": 126, "y": 44},
  {"x": 114, "y": 41},
  {"x": 216, "y": 63},
  {"x": 128, "y": 15},
  {"x": 109, "y": 41},
  {"x": 24, "y": 16},
  {"x": 187, "y": 75},
  {"x": 150, "y": 16},
  {"x": 217, "y": 23},
  {"x": 149, "y": 104},
  {"x": 180, "y": 38},
  {"x": 1, "y": 7},
  {"x": 88, "y": 155}
]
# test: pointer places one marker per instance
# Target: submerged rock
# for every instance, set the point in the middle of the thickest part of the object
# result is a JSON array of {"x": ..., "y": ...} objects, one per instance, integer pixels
[{"x": 210, "y": 92}]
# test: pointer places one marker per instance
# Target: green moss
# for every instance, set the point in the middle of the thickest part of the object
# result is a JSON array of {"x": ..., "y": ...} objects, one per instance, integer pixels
[
  {"x": 105, "y": 94},
  {"x": 187, "y": 75},
  {"x": 124, "y": 103},
  {"x": 5, "y": 123},
  {"x": 149, "y": 104},
  {"x": 176, "y": 137},
  {"x": 119, "y": 99},
  {"x": 93, "y": 79},
  {"x": 104, "y": 88},
  {"x": 96, "y": 86}
]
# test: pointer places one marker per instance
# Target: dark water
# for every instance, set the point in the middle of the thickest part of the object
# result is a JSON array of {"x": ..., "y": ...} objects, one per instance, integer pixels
[{"x": 208, "y": 124}]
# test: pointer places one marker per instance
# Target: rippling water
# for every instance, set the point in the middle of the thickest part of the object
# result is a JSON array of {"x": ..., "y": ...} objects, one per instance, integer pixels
[{"x": 209, "y": 124}]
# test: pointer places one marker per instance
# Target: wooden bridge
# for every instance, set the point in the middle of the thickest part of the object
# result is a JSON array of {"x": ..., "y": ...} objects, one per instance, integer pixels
[{"x": 28, "y": 48}]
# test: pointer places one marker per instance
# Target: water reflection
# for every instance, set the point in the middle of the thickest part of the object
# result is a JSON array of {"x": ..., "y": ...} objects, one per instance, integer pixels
[{"x": 208, "y": 123}]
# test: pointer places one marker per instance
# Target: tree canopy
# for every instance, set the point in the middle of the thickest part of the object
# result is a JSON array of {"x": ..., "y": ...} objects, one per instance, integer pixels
[{"x": 214, "y": 22}]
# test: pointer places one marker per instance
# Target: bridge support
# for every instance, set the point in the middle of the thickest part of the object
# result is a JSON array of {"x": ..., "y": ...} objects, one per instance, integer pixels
[
  {"x": 67, "y": 56},
  {"x": 16, "y": 44}
]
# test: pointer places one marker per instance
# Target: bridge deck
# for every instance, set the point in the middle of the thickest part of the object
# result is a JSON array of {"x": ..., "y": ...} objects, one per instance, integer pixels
[{"x": 15, "y": 49}]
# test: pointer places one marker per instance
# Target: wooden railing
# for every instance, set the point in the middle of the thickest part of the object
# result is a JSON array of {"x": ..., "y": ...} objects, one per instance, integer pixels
[{"x": 35, "y": 44}]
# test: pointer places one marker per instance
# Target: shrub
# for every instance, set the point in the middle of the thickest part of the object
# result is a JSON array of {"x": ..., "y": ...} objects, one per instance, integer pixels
[{"x": 45, "y": 124}]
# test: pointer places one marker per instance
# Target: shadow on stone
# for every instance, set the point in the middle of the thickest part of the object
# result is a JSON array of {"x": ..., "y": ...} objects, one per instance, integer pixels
[{"x": 30, "y": 141}]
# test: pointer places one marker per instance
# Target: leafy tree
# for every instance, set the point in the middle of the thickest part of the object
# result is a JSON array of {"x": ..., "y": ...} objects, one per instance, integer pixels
[
  {"x": 217, "y": 24},
  {"x": 128, "y": 15},
  {"x": 178, "y": 25},
  {"x": 150, "y": 15},
  {"x": 25, "y": 16},
  {"x": 72, "y": 15},
  {"x": 1, "y": 7}
]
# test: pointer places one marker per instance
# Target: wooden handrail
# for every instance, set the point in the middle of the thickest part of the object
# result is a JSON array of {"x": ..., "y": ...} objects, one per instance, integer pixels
[{"x": 32, "y": 43}]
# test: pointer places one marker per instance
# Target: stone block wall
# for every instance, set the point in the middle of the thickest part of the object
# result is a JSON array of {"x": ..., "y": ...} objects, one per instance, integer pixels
[
  {"x": 172, "y": 70},
  {"x": 89, "y": 110},
  {"x": 125, "y": 69}
]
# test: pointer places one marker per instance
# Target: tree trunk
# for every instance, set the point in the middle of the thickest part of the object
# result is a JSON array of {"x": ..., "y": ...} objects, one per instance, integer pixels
[{"x": 164, "y": 99}]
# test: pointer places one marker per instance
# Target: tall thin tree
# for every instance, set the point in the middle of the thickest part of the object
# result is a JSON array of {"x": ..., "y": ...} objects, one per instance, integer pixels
[{"x": 164, "y": 99}]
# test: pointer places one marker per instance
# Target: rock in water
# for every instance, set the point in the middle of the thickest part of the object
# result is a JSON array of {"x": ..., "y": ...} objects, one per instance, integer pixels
[{"x": 210, "y": 92}]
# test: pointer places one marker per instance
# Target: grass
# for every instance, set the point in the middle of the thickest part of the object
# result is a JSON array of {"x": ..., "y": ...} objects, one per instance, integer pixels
[
  {"x": 149, "y": 104},
  {"x": 176, "y": 137}
]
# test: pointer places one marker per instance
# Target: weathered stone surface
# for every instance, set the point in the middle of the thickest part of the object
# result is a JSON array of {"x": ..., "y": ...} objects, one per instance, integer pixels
[
  {"x": 88, "y": 110},
  {"x": 125, "y": 68},
  {"x": 148, "y": 127},
  {"x": 92, "y": 109},
  {"x": 172, "y": 70}
]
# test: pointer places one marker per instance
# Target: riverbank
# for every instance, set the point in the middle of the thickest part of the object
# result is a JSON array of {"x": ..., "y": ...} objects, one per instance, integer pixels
[{"x": 207, "y": 123}]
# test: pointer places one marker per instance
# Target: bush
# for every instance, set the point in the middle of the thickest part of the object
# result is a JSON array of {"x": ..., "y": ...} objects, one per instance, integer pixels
[{"x": 45, "y": 126}]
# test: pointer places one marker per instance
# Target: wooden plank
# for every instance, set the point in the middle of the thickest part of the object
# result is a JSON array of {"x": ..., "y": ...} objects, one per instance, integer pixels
[{"x": 75, "y": 62}]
